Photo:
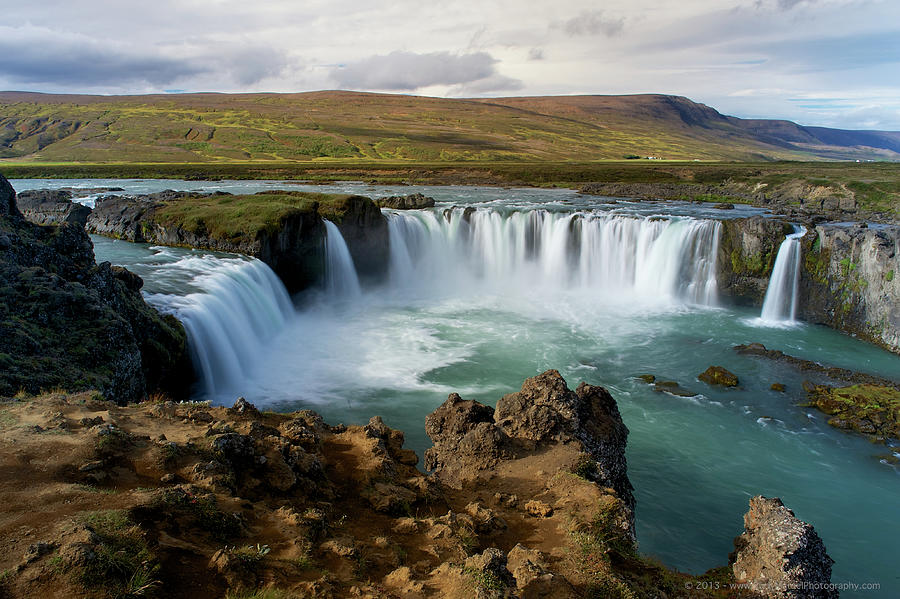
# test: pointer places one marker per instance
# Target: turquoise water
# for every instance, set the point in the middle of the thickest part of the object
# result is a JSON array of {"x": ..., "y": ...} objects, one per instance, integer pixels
[{"x": 694, "y": 462}]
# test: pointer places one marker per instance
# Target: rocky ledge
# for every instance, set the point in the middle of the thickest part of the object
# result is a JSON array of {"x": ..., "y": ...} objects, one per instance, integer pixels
[
  {"x": 284, "y": 229},
  {"x": 67, "y": 322},
  {"x": 414, "y": 201},
  {"x": 185, "y": 500}
]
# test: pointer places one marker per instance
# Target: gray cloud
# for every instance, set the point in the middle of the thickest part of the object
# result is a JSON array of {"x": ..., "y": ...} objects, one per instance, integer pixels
[
  {"x": 36, "y": 55},
  {"x": 593, "y": 22},
  {"x": 406, "y": 71},
  {"x": 536, "y": 54}
]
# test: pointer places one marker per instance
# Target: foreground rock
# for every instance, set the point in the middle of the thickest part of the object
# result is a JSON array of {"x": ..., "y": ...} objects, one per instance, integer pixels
[
  {"x": 779, "y": 556},
  {"x": 67, "y": 322},
  {"x": 204, "y": 502},
  {"x": 582, "y": 427}
]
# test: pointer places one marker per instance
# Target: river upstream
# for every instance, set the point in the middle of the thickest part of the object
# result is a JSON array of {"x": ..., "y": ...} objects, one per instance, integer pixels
[{"x": 601, "y": 290}]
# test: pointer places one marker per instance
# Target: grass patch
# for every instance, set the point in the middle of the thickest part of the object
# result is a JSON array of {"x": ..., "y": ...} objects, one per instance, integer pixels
[
  {"x": 123, "y": 565},
  {"x": 242, "y": 218},
  {"x": 202, "y": 510},
  {"x": 269, "y": 593}
]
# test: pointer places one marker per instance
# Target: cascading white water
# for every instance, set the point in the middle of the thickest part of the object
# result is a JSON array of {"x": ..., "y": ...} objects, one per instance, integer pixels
[
  {"x": 341, "y": 279},
  {"x": 241, "y": 304},
  {"x": 780, "y": 303},
  {"x": 646, "y": 258}
]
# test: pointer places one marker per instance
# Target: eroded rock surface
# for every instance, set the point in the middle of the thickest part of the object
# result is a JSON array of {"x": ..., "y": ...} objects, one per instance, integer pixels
[
  {"x": 471, "y": 438},
  {"x": 780, "y": 556}
]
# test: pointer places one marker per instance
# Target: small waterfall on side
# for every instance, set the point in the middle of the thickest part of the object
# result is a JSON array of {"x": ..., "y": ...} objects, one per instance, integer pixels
[
  {"x": 653, "y": 259},
  {"x": 341, "y": 279},
  {"x": 780, "y": 304},
  {"x": 241, "y": 304}
]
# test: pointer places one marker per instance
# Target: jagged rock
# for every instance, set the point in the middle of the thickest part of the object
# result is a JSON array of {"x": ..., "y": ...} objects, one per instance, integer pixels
[
  {"x": 486, "y": 521},
  {"x": 413, "y": 201},
  {"x": 780, "y": 556},
  {"x": 490, "y": 565},
  {"x": 234, "y": 448},
  {"x": 470, "y": 438},
  {"x": 716, "y": 375},
  {"x": 242, "y": 406},
  {"x": 465, "y": 438}
]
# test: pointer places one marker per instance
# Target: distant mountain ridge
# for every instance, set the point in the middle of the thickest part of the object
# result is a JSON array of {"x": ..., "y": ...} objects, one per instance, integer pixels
[{"x": 212, "y": 127}]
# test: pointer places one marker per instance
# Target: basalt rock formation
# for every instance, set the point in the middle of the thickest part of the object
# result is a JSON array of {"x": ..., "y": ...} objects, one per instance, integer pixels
[
  {"x": 850, "y": 281},
  {"x": 747, "y": 251},
  {"x": 779, "y": 556},
  {"x": 52, "y": 207},
  {"x": 67, "y": 322}
]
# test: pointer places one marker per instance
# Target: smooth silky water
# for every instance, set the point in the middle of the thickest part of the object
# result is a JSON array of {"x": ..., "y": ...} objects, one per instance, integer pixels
[{"x": 476, "y": 309}]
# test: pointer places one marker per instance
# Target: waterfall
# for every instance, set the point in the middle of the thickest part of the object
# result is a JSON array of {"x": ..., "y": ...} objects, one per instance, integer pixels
[
  {"x": 239, "y": 306},
  {"x": 647, "y": 258},
  {"x": 780, "y": 304},
  {"x": 340, "y": 273}
]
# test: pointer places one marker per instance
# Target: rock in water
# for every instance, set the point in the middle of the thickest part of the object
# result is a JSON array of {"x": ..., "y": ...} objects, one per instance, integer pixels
[
  {"x": 413, "y": 201},
  {"x": 716, "y": 375},
  {"x": 780, "y": 556}
]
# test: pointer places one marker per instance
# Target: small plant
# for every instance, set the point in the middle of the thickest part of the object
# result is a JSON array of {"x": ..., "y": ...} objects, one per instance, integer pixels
[
  {"x": 123, "y": 564},
  {"x": 889, "y": 276},
  {"x": 249, "y": 554},
  {"x": 204, "y": 511},
  {"x": 484, "y": 579},
  {"x": 585, "y": 468}
]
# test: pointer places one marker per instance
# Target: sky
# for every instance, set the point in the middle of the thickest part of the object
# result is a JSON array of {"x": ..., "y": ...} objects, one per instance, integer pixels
[{"x": 832, "y": 63}]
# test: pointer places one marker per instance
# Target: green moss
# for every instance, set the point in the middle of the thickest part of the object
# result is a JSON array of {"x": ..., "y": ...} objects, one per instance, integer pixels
[
  {"x": 202, "y": 510},
  {"x": 238, "y": 218},
  {"x": 889, "y": 276}
]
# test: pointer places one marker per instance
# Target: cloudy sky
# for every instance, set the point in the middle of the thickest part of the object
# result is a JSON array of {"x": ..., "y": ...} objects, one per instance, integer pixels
[{"x": 818, "y": 62}]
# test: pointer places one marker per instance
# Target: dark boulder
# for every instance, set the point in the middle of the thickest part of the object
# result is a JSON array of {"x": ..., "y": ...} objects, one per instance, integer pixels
[{"x": 67, "y": 322}]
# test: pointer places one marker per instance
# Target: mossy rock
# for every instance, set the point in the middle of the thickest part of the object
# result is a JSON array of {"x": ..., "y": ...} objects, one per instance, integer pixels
[
  {"x": 717, "y": 375},
  {"x": 869, "y": 409}
]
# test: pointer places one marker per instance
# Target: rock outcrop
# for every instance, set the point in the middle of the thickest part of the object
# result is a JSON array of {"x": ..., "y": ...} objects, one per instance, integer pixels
[
  {"x": 413, "y": 201},
  {"x": 67, "y": 322},
  {"x": 471, "y": 438},
  {"x": 779, "y": 556},
  {"x": 293, "y": 246},
  {"x": 747, "y": 251},
  {"x": 850, "y": 281},
  {"x": 52, "y": 207}
]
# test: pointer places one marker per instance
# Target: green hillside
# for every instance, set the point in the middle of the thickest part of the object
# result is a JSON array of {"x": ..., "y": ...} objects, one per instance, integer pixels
[{"x": 362, "y": 127}]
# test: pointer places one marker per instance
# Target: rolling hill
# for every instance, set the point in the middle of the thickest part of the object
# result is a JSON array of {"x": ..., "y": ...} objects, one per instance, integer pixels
[{"x": 353, "y": 126}]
